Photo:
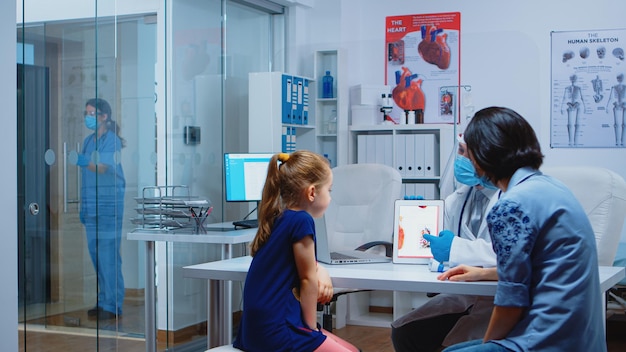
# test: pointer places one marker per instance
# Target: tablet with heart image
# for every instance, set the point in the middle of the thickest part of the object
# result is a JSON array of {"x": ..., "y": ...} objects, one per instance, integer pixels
[{"x": 413, "y": 219}]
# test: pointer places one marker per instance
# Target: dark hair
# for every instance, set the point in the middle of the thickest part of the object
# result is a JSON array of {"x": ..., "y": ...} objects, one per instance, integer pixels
[
  {"x": 285, "y": 186},
  {"x": 502, "y": 141},
  {"x": 102, "y": 106}
]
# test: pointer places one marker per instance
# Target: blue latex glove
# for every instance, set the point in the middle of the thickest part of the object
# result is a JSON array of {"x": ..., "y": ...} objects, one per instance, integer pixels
[
  {"x": 83, "y": 160},
  {"x": 440, "y": 245},
  {"x": 413, "y": 197}
]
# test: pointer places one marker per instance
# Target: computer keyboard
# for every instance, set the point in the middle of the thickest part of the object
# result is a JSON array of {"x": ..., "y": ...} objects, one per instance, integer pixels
[
  {"x": 335, "y": 255},
  {"x": 249, "y": 223}
]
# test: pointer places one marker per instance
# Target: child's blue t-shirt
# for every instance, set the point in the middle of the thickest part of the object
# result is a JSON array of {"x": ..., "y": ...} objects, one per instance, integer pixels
[{"x": 272, "y": 316}]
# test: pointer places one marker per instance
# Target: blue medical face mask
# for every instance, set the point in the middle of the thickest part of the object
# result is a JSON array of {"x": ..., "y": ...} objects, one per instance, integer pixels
[
  {"x": 484, "y": 181},
  {"x": 465, "y": 173},
  {"x": 91, "y": 122}
]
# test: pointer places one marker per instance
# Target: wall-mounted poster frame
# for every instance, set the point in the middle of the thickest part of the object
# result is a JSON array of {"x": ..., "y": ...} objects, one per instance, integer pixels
[
  {"x": 588, "y": 101},
  {"x": 422, "y": 54}
]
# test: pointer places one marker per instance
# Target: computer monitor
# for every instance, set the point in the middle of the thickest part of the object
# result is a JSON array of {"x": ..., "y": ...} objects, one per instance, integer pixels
[{"x": 245, "y": 175}]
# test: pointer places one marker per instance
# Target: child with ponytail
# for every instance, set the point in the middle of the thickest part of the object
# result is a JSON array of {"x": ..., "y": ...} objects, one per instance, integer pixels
[{"x": 284, "y": 282}]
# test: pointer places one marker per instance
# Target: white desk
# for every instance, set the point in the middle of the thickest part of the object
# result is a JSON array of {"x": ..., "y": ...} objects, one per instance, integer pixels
[
  {"x": 219, "y": 289},
  {"x": 382, "y": 276}
]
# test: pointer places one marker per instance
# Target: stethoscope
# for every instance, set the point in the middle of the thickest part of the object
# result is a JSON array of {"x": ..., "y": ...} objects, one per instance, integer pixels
[{"x": 458, "y": 233}]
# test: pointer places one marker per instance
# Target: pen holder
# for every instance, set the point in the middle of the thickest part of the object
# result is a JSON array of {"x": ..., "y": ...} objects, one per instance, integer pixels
[{"x": 199, "y": 217}]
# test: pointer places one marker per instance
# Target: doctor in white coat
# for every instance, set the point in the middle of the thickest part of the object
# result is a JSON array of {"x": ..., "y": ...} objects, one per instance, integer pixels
[{"x": 448, "y": 319}]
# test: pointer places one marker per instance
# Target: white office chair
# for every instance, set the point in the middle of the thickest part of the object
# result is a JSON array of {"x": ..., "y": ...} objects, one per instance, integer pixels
[
  {"x": 361, "y": 209},
  {"x": 602, "y": 193},
  {"x": 360, "y": 214},
  {"x": 225, "y": 348}
]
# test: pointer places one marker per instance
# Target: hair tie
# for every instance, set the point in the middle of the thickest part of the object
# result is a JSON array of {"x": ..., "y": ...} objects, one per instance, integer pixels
[{"x": 283, "y": 157}]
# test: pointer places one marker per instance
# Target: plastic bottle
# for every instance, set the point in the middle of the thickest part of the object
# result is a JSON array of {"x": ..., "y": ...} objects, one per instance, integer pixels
[
  {"x": 327, "y": 85},
  {"x": 332, "y": 122},
  {"x": 330, "y": 162},
  {"x": 411, "y": 118}
]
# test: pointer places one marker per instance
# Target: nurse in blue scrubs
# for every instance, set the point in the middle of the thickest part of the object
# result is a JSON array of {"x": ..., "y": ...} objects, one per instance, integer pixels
[{"x": 102, "y": 205}]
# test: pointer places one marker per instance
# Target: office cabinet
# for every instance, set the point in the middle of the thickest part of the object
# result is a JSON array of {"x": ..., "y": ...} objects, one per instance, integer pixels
[
  {"x": 419, "y": 152},
  {"x": 280, "y": 116}
]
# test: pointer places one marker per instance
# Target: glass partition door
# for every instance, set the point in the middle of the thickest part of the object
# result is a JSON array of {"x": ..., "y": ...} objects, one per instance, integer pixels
[
  {"x": 214, "y": 46},
  {"x": 83, "y": 163},
  {"x": 86, "y": 142}
]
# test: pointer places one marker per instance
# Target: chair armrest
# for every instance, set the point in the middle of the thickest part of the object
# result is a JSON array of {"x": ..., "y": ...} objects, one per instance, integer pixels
[{"x": 368, "y": 245}]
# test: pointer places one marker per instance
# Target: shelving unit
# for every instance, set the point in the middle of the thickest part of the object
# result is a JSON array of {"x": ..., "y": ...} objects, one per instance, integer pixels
[
  {"x": 360, "y": 303},
  {"x": 267, "y": 124},
  {"x": 429, "y": 145},
  {"x": 327, "y": 141},
  {"x": 273, "y": 111}
]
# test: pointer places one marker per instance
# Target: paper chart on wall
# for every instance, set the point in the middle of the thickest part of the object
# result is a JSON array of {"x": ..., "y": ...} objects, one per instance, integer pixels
[
  {"x": 422, "y": 55},
  {"x": 588, "y": 101}
]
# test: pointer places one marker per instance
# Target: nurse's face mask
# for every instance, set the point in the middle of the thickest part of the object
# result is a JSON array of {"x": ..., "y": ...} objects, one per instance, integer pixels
[{"x": 465, "y": 173}]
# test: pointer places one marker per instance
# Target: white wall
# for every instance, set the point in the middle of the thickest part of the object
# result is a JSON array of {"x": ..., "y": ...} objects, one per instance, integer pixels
[
  {"x": 8, "y": 180},
  {"x": 72, "y": 9},
  {"x": 505, "y": 53}
]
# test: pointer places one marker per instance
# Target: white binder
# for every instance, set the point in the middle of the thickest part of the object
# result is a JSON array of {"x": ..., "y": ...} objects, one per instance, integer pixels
[
  {"x": 418, "y": 190},
  {"x": 370, "y": 148},
  {"x": 408, "y": 189},
  {"x": 379, "y": 148},
  {"x": 410, "y": 155},
  {"x": 430, "y": 166},
  {"x": 386, "y": 144},
  {"x": 361, "y": 148},
  {"x": 428, "y": 191},
  {"x": 419, "y": 155},
  {"x": 401, "y": 154}
]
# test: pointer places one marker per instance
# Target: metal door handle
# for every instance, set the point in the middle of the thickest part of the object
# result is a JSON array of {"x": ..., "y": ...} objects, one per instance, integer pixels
[
  {"x": 33, "y": 208},
  {"x": 65, "y": 168}
]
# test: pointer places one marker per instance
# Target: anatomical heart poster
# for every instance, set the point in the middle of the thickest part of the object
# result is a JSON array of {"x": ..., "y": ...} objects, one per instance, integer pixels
[
  {"x": 422, "y": 66},
  {"x": 588, "y": 89}
]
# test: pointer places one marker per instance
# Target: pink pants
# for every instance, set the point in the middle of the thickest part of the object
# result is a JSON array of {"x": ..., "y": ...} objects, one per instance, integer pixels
[{"x": 334, "y": 343}]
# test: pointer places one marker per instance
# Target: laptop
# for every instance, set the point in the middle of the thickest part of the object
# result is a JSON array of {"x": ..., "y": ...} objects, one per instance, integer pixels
[
  {"x": 324, "y": 254},
  {"x": 412, "y": 219}
]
